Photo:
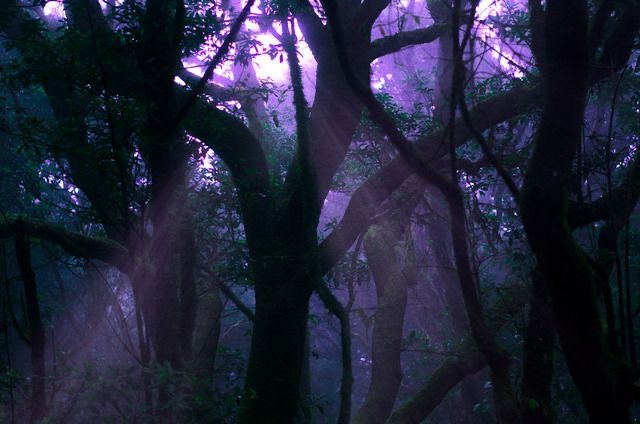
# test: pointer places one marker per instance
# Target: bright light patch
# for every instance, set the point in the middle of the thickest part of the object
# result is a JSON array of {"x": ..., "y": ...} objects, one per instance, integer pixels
[
  {"x": 275, "y": 69},
  {"x": 378, "y": 85},
  {"x": 104, "y": 4},
  {"x": 54, "y": 9},
  {"x": 491, "y": 37}
]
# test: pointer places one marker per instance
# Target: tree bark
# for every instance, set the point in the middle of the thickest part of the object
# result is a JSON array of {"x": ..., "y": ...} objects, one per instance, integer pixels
[
  {"x": 602, "y": 380},
  {"x": 36, "y": 327},
  {"x": 272, "y": 388},
  {"x": 537, "y": 369},
  {"x": 391, "y": 259}
]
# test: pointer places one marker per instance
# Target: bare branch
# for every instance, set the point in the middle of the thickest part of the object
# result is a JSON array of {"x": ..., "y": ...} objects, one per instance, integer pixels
[
  {"x": 74, "y": 243},
  {"x": 216, "y": 92},
  {"x": 220, "y": 54},
  {"x": 393, "y": 43},
  {"x": 237, "y": 301}
]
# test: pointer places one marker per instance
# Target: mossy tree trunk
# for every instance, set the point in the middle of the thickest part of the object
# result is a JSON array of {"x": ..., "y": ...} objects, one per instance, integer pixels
[{"x": 600, "y": 377}]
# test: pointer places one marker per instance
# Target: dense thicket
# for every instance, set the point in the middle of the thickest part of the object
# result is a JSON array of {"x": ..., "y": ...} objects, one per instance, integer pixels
[{"x": 371, "y": 211}]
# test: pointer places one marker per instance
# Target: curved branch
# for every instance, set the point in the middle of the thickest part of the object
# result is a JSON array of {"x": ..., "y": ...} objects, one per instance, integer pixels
[
  {"x": 486, "y": 114},
  {"x": 230, "y": 139},
  {"x": 506, "y": 405},
  {"x": 87, "y": 168}
]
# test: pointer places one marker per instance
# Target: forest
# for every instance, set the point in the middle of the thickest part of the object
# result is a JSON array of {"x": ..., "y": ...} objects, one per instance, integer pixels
[{"x": 319, "y": 211}]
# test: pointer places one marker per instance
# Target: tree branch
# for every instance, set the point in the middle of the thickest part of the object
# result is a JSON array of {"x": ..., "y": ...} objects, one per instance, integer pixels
[
  {"x": 76, "y": 244},
  {"x": 618, "y": 47},
  {"x": 88, "y": 169},
  {"x": 379, "y": 187},
  {"x": 251, "y": 316},
  {"x": 502, "y": 172},
  {"x": 486, "y": 114},
  {"x": 453, "y": 370},
  {"x": 208, "y": 73},
  {"x": 393, "y": 43},
  {"x": 216, "y": 92},
  {"x": 230, "y": 139},
  {"x": 236, "y": 301},
  {"x": 506, "y": 405},
  {"x": 619, "y": 202}
]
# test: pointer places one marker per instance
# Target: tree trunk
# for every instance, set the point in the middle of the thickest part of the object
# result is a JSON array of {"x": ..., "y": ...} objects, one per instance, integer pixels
[
  {"x": 272, "y": 394},
  {"x": 600, "y": 377},
  {"x": 36, "y": 328},
  {"x": 391, "y": 257},
  {"x": 207, "y": 333},
  {"x": 392, "y": 279},
  {"x": 538, "y": 357}
]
